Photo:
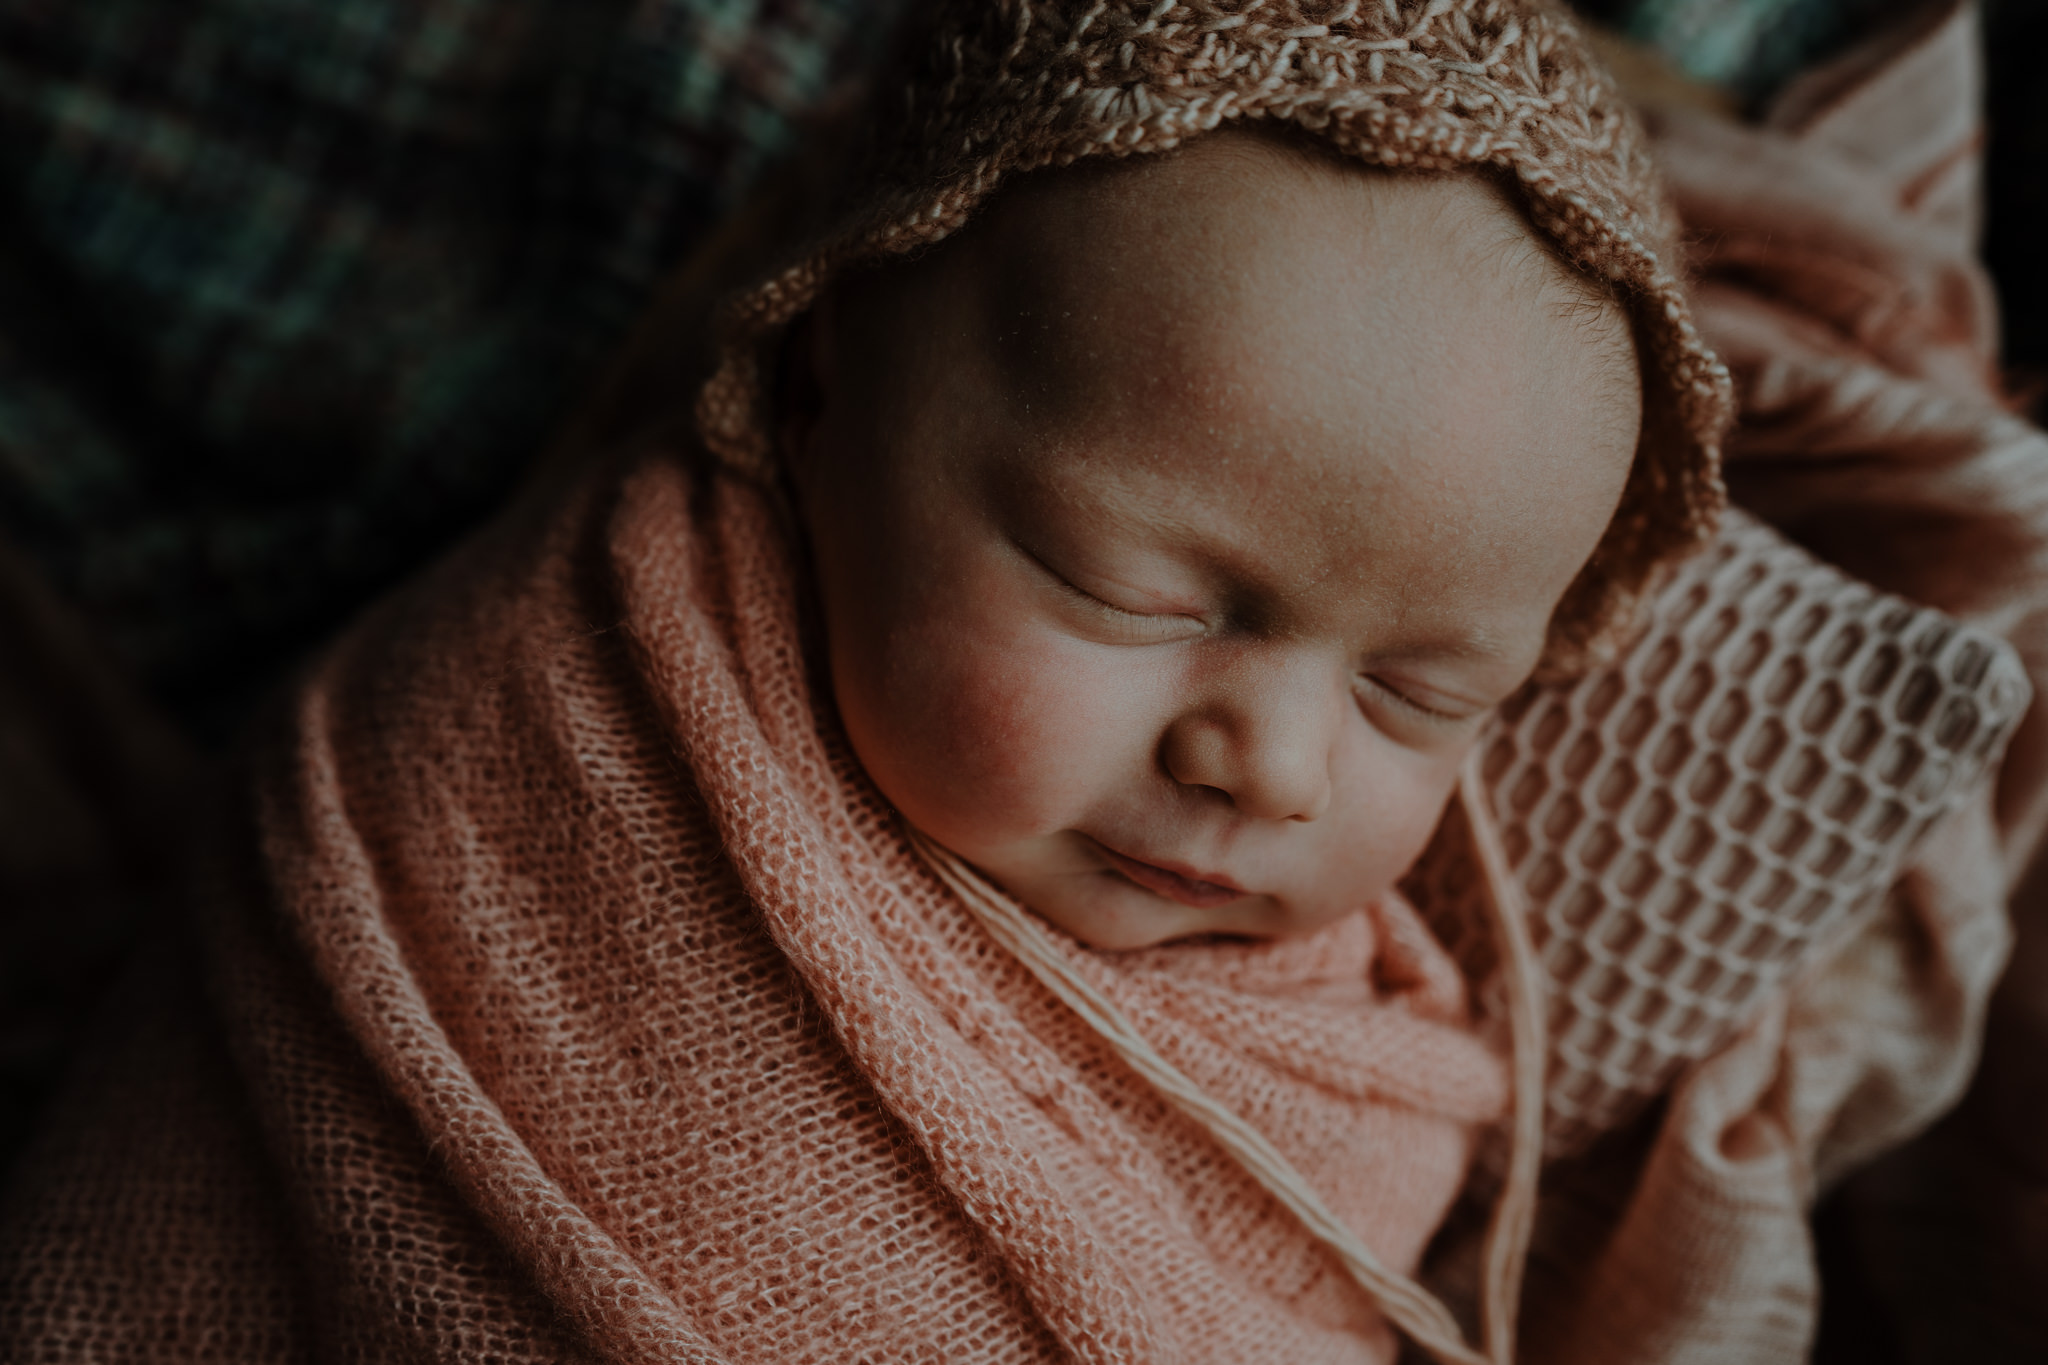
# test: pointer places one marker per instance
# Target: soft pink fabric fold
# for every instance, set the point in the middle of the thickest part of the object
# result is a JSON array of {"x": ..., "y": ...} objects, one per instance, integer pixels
[{"x": 591, "y": 1003}]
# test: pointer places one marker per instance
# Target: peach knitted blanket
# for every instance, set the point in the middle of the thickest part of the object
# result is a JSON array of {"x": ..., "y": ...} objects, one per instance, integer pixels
[{"x": 589, "y": 1004}]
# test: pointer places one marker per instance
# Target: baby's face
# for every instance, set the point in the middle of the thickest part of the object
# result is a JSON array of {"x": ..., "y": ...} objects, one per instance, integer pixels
[{"x": 1178, "y": 526}]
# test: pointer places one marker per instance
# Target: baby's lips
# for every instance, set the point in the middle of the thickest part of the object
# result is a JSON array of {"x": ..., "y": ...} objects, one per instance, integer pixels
[{"x": 1201, "y": 893}]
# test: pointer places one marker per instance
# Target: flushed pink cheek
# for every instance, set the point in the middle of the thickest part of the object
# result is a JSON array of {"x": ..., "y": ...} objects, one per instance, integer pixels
[{"x": 986, "y": 736}]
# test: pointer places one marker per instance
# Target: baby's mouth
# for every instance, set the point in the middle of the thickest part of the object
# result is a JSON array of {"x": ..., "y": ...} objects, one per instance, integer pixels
[{"x": 1202, "y": 893}]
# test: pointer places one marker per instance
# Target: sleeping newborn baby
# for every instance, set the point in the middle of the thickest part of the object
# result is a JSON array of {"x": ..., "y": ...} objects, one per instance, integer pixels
[
  {"x": 1178, "y": 525},
  {"x": 1138, "y": 491}
]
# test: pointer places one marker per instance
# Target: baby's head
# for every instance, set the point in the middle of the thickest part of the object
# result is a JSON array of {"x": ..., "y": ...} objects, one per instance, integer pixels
[
  {"x": 1179, "y": 520},
  {"x": 1178, "y": 524}
]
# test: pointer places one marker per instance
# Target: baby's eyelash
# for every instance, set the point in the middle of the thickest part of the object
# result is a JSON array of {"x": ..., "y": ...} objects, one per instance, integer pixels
[
  {"x": 1110, "y": 607},
  {"x": 1156, "y": 622},
  {"x": 1406, "y": 702},
  {"x": 1151, "y": 626}
]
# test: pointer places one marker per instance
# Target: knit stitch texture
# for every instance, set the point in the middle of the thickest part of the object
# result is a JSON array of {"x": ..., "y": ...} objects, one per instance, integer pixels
[{"x": 609, "y": 1014}]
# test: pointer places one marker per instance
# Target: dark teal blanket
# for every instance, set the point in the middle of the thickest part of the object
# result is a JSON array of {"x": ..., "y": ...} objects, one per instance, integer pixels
[{"x": 291, "y": 290}]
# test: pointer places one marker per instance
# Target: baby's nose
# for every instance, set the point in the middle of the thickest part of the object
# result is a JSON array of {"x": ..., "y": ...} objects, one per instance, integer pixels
[{"x": 1266, "y": 738}]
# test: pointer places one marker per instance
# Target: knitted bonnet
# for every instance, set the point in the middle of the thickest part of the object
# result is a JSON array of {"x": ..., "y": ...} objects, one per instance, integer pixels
[{"x": 991, "y": 89}]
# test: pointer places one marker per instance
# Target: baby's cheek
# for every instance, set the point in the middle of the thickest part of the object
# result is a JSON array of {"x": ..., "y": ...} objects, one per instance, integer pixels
[
  {"x": 998, "y": 734},
  {"x": 1391, "y": 800}
]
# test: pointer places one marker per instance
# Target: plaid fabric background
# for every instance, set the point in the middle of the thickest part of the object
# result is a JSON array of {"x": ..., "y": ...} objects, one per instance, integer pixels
[{"x": 291, "y": 290}]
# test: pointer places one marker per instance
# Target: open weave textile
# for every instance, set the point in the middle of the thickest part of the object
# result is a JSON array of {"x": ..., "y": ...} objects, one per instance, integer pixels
[
  {"x": 1838, "y": 278},
  {"x": 589, "y": 1002},
  {"x": 1834, "y": 270},
  {"x": 1719, "y": 810}
]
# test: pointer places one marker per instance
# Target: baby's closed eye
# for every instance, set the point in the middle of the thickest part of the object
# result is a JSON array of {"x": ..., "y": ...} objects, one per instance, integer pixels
[
  {"x": 1112, "y": 613},
  {"x": 1420, "y": 700}
]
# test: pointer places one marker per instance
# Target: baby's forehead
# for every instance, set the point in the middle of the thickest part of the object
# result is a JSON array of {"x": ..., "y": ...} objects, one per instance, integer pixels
[
  {"x": 1222, "y": 213},
  {"x": 1235, "y": 237},
  {"x": 1241, "y": 270}
]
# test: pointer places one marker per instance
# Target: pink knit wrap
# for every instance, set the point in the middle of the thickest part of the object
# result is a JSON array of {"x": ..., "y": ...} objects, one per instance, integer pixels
[{"x": 592, "y": 1005}]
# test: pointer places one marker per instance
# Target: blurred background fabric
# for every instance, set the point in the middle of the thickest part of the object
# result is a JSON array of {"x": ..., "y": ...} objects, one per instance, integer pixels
[
  {"x": 293, "y": 293},
  {"x": 291, "y": 290},
  {"x": 1748, "y": 48},
  {"x": 1753, "y": 49}
]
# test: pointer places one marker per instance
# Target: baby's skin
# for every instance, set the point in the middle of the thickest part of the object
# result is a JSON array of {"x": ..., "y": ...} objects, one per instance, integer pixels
[{"x": 1179, "y": 523}]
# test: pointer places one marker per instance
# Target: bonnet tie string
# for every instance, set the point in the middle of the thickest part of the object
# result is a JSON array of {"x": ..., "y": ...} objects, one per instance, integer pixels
[{"x": 1406, "y": 1304}]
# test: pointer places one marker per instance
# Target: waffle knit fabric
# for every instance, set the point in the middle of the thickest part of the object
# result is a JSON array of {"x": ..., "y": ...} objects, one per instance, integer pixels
[{"x": 1834, "y": 263}]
